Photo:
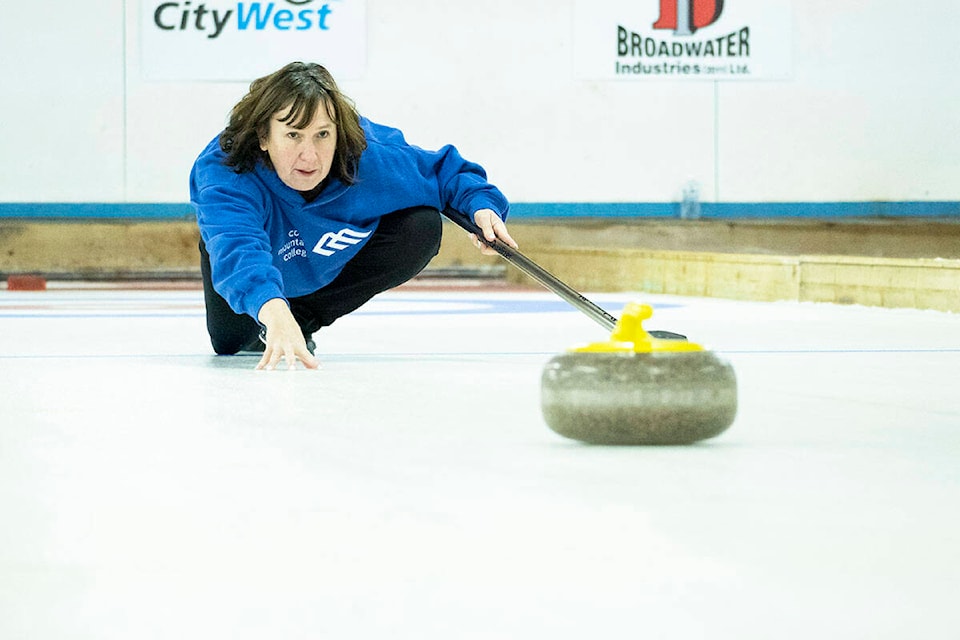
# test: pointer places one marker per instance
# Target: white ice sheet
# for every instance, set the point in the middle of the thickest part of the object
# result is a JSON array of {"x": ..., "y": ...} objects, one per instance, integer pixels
[{"x": 410, "y": 489}]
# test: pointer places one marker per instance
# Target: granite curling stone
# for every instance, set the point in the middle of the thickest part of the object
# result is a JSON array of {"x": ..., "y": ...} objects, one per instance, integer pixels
[{"x": 638, "y": 390}]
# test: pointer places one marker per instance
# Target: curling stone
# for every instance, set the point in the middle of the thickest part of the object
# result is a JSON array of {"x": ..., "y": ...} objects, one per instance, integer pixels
[{"x": 635, "y": 389}]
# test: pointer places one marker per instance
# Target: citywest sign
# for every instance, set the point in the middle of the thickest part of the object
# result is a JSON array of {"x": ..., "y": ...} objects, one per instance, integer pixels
[{"x": 223, "y": 40}]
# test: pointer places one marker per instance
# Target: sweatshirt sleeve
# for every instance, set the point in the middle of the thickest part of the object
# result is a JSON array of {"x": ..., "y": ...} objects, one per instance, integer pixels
[
  {"x": 460, "y": 184},
  {"x": 464, "y": 186},
  {"x": 230, "y": 214}
]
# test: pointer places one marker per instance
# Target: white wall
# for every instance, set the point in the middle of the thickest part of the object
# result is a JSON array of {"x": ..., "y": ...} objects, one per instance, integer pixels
[
  {"x": 869, "y": 114},
  {"x": 61, "y": 112}
]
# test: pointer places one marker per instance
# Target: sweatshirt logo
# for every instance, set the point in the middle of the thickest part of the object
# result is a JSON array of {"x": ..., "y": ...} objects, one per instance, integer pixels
[{"x": 345, "y": 238}]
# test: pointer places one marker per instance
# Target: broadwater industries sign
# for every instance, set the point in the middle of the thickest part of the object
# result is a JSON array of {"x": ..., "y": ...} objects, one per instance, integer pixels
[
  {"x": 644, "y": 40},
  {"x": 231, "y": 40}
]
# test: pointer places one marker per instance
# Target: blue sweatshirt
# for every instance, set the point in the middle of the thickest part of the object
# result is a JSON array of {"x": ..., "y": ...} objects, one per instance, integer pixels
[{"x": 266, "y": 241}]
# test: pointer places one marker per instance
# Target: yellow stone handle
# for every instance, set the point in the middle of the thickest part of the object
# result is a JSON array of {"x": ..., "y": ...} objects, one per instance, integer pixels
[{"x": 629, "y": 335}]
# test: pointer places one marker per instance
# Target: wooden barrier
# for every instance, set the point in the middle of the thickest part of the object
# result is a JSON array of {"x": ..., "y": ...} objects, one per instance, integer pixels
[
  {"x": 881, "y": 282},
  {"x": 762, "y": 262}
]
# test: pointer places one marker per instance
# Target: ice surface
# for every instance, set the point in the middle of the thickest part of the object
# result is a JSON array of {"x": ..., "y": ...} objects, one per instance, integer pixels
[{"x": 410, "y": 489}]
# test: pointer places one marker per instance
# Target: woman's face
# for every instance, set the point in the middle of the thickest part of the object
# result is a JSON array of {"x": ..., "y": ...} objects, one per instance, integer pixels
[{"x": 301, "y": 157}]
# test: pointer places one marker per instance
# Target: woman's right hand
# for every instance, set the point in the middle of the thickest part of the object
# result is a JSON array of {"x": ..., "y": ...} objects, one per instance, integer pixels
[{"x": 285, "y": 341}]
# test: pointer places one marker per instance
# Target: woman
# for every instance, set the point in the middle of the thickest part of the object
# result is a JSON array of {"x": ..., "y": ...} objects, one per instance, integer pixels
[{"x": 307, "y": 210}]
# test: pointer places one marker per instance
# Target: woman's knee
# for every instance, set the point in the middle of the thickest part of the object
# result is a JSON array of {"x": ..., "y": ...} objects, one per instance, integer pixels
[
  {"x": 225, "y": 347},
  {"x": 422, "y": 230},
  {"x": 226, "y": 343}
]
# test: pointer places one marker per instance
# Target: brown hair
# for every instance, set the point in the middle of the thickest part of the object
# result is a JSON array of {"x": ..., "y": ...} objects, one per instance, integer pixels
[{"x": 299, "y": 87}]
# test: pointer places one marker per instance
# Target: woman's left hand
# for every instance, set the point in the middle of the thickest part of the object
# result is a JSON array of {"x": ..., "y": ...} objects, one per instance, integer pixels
[
  {"x": 285, "y": 341},
  {"x": 493, "y": 229}
]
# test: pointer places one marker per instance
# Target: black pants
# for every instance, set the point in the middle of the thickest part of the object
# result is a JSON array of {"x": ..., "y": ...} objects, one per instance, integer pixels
[{"x": 402, "y": 245}]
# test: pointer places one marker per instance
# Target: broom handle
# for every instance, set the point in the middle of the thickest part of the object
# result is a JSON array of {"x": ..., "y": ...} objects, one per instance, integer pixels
[{"x": 535, "y": 271}]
